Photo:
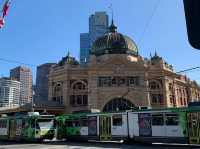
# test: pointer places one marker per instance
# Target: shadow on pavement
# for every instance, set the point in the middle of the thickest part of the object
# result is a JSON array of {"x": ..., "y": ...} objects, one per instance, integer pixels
[{"x": 96, "y": 144}]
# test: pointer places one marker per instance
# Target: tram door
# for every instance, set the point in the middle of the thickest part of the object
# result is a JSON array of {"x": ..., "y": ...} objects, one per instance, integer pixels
[
  {"x": 12, "y": 130},
  {"x": 105, "y": 128},
  {"x": 194, "y": 127}
]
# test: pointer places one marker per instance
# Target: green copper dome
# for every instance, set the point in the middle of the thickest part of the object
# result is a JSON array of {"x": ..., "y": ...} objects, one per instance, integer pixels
[
  {"x": 68, "y": 60},
  {"x": 114, "y": 43}
]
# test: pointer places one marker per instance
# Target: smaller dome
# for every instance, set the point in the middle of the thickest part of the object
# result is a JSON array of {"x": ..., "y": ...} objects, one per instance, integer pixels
[
  {"x": 114, "y": 43},
  {"x": 68, "y": 60}
]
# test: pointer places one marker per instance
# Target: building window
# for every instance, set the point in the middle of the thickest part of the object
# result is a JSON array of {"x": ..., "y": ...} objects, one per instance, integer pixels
[
  {"x": 104, "y": 81},
  {"x": 114, "y": 81},
  {"x": 121, "y": 81},
  {"x": 79, "y": 100},
  {"x": 54, "y": 98},
  {"x": 157, "y": 99},
  {"x": 118, "y": 104},
  {"x": 72, "y": 100},
  {"x": 57, "y": 93},
  {"x": 79, "y": 86},
  {"x": 154, "y": 98},
  {"x": 181, "y": 101},
  {"x": 85, "y": 99},
  {"x": 153, "y": 85},
  {"x": 117, "y": 81},
  {"x": 133, "y": 81},
  {"x": 170, "y": 87},
  {"x": 172, "y": 100},
  {"x": 185, "y": 101}
]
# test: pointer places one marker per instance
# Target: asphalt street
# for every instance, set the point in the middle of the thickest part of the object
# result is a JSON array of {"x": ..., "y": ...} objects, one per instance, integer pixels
[{"x": 69, "y": 145}]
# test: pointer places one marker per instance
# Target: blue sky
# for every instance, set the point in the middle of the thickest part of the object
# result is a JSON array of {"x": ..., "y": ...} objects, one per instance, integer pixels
[{"x": 40, "y": 31}]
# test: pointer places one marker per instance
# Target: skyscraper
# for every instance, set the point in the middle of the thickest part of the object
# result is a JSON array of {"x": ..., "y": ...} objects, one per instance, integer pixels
[
  {"x": 24, "y": 76},
  {"x": 98, "y": 26},
  {"x": 41, "y": 90},
  {"x": 84, "y": 47},
  {"x": 9, "y": 92}
]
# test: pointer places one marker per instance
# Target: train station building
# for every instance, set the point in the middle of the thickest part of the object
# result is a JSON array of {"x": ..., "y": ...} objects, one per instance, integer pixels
[{"x": 118, "y": 78}]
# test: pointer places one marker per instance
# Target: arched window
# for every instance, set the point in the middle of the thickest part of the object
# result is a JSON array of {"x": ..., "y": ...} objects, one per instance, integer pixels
[
  {"x": 118, "y": 104},
  {"x": 157, "y": 99},
  {"x": 79, "y": 96},
  {"x": 154, "y": 85},
  {"x": 57, "y": 93},
  {"x": 79, "y": 86}
]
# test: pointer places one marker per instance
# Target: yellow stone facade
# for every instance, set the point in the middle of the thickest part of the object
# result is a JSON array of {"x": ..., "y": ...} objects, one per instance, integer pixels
[
  {"x": 154, "y": 80},
  {"x": 114, "y": 81}
]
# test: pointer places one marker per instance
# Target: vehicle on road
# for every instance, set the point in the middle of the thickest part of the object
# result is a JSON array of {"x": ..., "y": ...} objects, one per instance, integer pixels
[{"x": 27, "y": 127}]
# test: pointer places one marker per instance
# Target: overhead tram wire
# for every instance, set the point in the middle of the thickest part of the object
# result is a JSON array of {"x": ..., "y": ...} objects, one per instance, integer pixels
[
  {"x": 17, "y": 62},
  {"x": 149, "y": 20},
  {"x": 189, "y": 69},
  {"x": 174, "y": 74}
]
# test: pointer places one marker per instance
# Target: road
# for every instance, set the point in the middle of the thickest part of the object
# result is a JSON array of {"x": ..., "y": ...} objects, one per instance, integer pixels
[{"x": 67, "y": 145}]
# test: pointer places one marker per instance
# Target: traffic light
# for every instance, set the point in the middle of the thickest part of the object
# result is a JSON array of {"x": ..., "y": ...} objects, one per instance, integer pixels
[{"x": 192, "y": 13}]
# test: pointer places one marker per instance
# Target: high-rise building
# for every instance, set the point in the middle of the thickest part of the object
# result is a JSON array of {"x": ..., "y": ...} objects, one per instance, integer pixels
[
  {"x": 24, "y": 76},
  {"x": 41, "y": 89},
  {"x": 9, "y": 92},
  {"x": 84, "y": 46},
  {"x": 98, "y": 26}
]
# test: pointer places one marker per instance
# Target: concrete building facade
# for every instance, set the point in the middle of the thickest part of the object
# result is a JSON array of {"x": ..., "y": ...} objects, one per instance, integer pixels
[
  {"x": 24, "y": 76},
  {"x": 9, "y": 92},
  {"x": 41, "y": 88},
  {"x": 117, "y": 78}
]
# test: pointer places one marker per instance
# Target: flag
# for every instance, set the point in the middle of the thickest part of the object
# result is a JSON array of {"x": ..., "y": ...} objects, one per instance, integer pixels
[
  {"x": 1, "y": 22},
  {"x": 5, "y": 8}
]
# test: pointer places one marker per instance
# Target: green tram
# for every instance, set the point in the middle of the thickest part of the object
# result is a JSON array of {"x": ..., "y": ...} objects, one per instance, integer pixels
[
  {"x": 172, "y": 125},
  {"x": 72, "y": 127},
  {"x": 29, "y": 127}
]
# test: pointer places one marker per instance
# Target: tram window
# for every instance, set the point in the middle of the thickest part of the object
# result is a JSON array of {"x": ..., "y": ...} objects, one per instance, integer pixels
[
  {"x": 171, "y": 119},
  {"x": 69, "y": 123},
  {"x": 33, "y": 124},
  {"x": 23, "y": 123},
  {"x": 157, "y": 120},
  {"x": 76, "y": 123},
  {"x": 84, "y": 122},
  {"x": 37, "y": 125},
  {"x": 3, "y": 124},
  {"x": 117, "y": 120}
]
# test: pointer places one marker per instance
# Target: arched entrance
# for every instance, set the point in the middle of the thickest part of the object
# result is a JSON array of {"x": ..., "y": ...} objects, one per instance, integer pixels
[{"x": 118, "y": 104}]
